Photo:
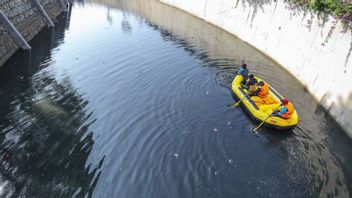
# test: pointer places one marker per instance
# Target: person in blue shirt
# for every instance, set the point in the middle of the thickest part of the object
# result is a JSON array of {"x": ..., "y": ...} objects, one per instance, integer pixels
[
  {"x": 280, "y": 112},
  {"x": 244, "y": 72}
]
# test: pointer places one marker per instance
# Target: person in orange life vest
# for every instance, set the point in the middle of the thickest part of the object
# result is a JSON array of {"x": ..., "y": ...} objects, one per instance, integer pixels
[
  {"x": 286, "y": 110},
  {"x": 262, "y": 90}
]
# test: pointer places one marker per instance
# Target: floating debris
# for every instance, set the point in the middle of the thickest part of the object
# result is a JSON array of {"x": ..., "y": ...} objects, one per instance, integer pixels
[{"x": 229, "y": 124}]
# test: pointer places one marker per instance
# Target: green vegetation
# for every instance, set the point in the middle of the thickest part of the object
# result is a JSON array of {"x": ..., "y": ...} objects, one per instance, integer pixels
[{"x": 339, "y": 8}]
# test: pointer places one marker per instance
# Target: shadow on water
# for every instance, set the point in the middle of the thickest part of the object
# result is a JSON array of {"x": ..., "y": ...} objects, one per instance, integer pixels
[{"x": 45, "y": 139}]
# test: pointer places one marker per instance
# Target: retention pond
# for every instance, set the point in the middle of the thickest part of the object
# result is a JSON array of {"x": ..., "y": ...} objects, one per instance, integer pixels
[{"x": 131, "y": 99}]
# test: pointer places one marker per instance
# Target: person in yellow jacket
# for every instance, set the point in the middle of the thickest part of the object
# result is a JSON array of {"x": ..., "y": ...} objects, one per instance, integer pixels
[
  {"x": 262, "y": 90},
  {"x": 286, "y": 110}
]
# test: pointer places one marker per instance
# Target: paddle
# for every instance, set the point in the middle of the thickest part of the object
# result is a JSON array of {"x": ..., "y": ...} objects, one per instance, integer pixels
[
  {"x": 237, "y": 103},
  {"x": 254, "y": 130}
]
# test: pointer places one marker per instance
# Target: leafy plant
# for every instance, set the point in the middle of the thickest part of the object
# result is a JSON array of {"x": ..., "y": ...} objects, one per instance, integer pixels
[{"x": 336, "y": 7}]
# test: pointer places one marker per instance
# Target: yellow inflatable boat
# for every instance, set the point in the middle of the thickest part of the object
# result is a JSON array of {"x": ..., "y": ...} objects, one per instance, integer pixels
[{"x": 261, "y": 108}]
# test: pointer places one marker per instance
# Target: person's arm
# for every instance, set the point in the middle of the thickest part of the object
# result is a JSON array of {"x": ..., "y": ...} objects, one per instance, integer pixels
[{"x": 257, "y": 91}]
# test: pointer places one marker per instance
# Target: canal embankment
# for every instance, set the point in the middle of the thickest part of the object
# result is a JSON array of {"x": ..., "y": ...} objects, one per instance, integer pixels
[
  {"x": 21, "y": 20},
  {"x": 314, "y": 47}
]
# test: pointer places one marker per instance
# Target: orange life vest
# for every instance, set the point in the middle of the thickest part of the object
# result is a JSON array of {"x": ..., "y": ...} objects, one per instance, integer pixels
[
  {"x": 264, "y": 90},
  {"x": 289, "y": 111}
]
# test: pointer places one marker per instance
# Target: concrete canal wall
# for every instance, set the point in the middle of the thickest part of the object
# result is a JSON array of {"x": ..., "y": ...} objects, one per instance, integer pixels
[
  {"x": 315, "y": 48},
  {"x": 21, "y": 20}
]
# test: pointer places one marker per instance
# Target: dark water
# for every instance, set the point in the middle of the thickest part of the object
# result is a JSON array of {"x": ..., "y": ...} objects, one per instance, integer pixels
[{"x": 131, "y": 99}]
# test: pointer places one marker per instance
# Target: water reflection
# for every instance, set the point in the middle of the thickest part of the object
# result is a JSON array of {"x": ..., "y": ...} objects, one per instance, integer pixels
[
  {"x": 45, "y": 137},
  {"x": 125, "y": 24}
]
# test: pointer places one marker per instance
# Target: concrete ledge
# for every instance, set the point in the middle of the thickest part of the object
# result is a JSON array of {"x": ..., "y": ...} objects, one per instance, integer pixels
[
  {"x": 46, "y": 17},
  {"x": 16, "y": 35}
]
